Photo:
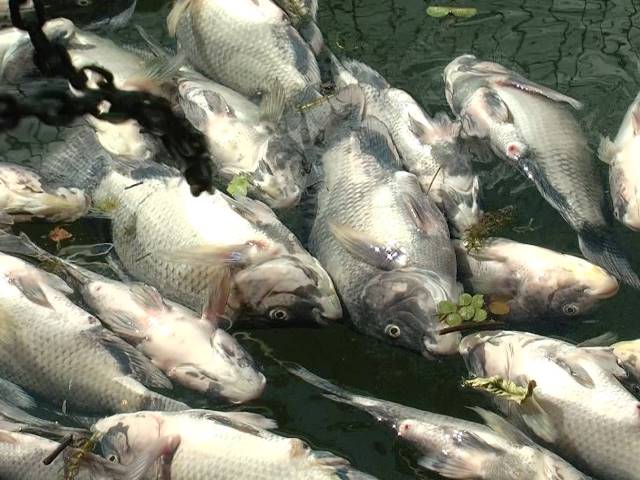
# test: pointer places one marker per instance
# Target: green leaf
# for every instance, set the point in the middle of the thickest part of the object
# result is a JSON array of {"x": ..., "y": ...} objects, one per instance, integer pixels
[
  {"x": 445, "y": 307},
  {"x": 461, "y": 12},
  {"x": 238, "y": 186},
  {"x": 464, "y": 300},
  {"x": 467, "y": 312},
  {"x": 480, "y": 315},
  {"x": 453, "y": 319},
  {"x": 502, "y": 388},
  {"x": 477, "y": 301}
]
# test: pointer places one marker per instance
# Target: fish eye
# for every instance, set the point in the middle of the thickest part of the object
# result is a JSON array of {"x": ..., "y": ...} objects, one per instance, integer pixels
[
  {"x": 392, "y": 330},
  {"x": 279, "y": 314},
  {"x": 570, "y": 309},
  {"x": 113, "y": 458}
]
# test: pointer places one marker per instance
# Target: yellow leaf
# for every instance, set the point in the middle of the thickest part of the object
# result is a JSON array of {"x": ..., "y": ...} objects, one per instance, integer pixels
[{"x": 460, "y": 12}]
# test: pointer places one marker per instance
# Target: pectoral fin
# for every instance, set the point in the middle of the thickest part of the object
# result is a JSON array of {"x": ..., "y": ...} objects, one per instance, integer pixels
[
  {"x": 607, "y": 150},
  {"x": 524, "y": 84},
  {"x": 217, "y": 298},
  {"x": 367, "y": 249}
]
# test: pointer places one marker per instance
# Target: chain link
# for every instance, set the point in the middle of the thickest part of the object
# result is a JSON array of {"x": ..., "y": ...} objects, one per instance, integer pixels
[{"x": 59, "y": 107}]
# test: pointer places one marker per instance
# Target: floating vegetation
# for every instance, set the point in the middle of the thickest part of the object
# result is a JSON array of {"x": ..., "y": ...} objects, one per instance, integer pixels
[
  {"x": 469, "y": 309},
  {"x": 459, "y": 12},
  {"x": 238, "y": 186},
  {"x": 490, "y": 223},
  {"x": 502, "y": 388}
]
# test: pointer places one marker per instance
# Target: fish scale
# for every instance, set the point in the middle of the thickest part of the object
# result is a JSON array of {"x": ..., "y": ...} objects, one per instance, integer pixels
[
  {"x": 562, "y": 152},
  {"x": 213, "y": 34}
]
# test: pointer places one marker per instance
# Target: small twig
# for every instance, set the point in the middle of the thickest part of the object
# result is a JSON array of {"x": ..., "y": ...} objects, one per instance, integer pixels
[
  {"x": 433, "y": 179},
  {"x": 64, "y": 443},
  {"x": 466, "y": 327}
]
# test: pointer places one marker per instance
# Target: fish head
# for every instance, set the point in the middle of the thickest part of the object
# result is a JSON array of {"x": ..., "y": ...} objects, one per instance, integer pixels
[
  {"x": 279, "y": 177},
  {"x": 285, "y": 290},
  {"x": 123, "y": 437},
  {"x": 493, "y": 352},
  {"x": 401, "y": 308},
  {"x": 565, "y": 287},
  {"x": 229, "y": 373},
  {"x": 66, "y": 204},
  {"x": 628, "y": 355}
]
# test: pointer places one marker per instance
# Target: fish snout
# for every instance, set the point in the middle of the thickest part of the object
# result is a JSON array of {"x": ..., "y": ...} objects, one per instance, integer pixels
[{"x": 601, "y": 284}]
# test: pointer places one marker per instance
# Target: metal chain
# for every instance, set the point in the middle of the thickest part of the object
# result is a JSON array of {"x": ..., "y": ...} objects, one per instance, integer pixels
[{"x": 57, "y": 107}]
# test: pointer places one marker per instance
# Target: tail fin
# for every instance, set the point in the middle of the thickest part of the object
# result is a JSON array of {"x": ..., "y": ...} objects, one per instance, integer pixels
[{"x": 599, "y": 245}]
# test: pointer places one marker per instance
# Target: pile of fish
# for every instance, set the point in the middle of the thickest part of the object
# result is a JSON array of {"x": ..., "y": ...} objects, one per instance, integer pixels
[{"x": 393, "y": 194}]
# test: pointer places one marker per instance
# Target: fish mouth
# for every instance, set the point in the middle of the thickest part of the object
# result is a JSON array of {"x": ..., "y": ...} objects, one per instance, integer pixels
[
  {"x": 605, "y": 286},
  {"x": 238, "y": 395}
]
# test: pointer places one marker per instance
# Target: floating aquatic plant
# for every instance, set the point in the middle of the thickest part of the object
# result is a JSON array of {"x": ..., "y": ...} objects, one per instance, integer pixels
[
  {"x": 501, "y": 387},
  {"x": 490, "y": 223},
  {"x": 459, "y": 12},
  {"x": 468, "y": 309},
  {"x": 238, "y": 186}
]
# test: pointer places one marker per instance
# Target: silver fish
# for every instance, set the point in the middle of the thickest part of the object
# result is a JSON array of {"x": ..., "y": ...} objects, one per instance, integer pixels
[
  {"x": 243, "y": 143},
  {"x": 529, "y": 126},
  {"x": 22, "y": 455},
  {"x": 189, "y": 349},
  {"x": 623, "y": 154},
  {"x": 247, "y": 45},
  {"x": 173, "y": 241},
  {"x": 231, "y": 444},
  {"x": 57, "y": 350},
  {"x": 577, "y": 405},
  {"x": 25, "y": 196},
  {"x": 428, "y": 147},
  {"x": 527, "y": 283},
  {"x": 456, "y": 448},
  {"x": 383, "y": 242}
]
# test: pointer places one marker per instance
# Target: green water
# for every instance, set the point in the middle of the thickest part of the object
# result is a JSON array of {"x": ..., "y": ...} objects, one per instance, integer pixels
[{"x": 587, "y": 49}]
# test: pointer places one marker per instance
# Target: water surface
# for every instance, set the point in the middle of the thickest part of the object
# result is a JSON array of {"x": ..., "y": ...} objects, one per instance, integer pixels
[{"x": 586, "y": 49}]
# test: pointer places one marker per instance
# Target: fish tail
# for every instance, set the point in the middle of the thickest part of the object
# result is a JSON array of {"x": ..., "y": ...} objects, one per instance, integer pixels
[{"x": 599, "y": 245}]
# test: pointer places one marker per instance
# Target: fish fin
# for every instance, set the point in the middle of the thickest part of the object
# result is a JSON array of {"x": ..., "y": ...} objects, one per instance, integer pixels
[
  {"x": 312, "y": 34},
  {"x": 526, "y": 85},
  {"x": 367, "y": 249},
  {"x": 607, "y": 150},
  {"x": 465, "y": 461},
  {"x": 272, "y": 104},
  {"x": 537, "y": 419},
  {"x": 211, "y": 255},
  {"x": 6, "y": 437},
  {"x": 15, "y": 395},
  {"x": 570, "y": 362},
  {"x": 419, "y": 204},
  {"x": 254, "y": 426},
  {"x": 437, "y": 129},
  {"x": 133, "y": 362},
  {"x": 378, "y": 141},
  {"x": 196, "y": 113},
  {"x": 147, "y": 296},
  {"x": 152, "y": 43},
  {"x": 217, "y": 297},
  {"x": 249, "y": 418},
  {"x": 635, "y": 119},
  {"x": 177, "y": 11},
  {"x": 363, "y": 73},
  {"x": 252, "y": 211},
  {"x": 501, "y": 426},
  {"x": 605, "y": 340},
  {"x": 156, "y": 73},
  {"x": 600, "y": 246},
  {"x": 29, "y": 284}
]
